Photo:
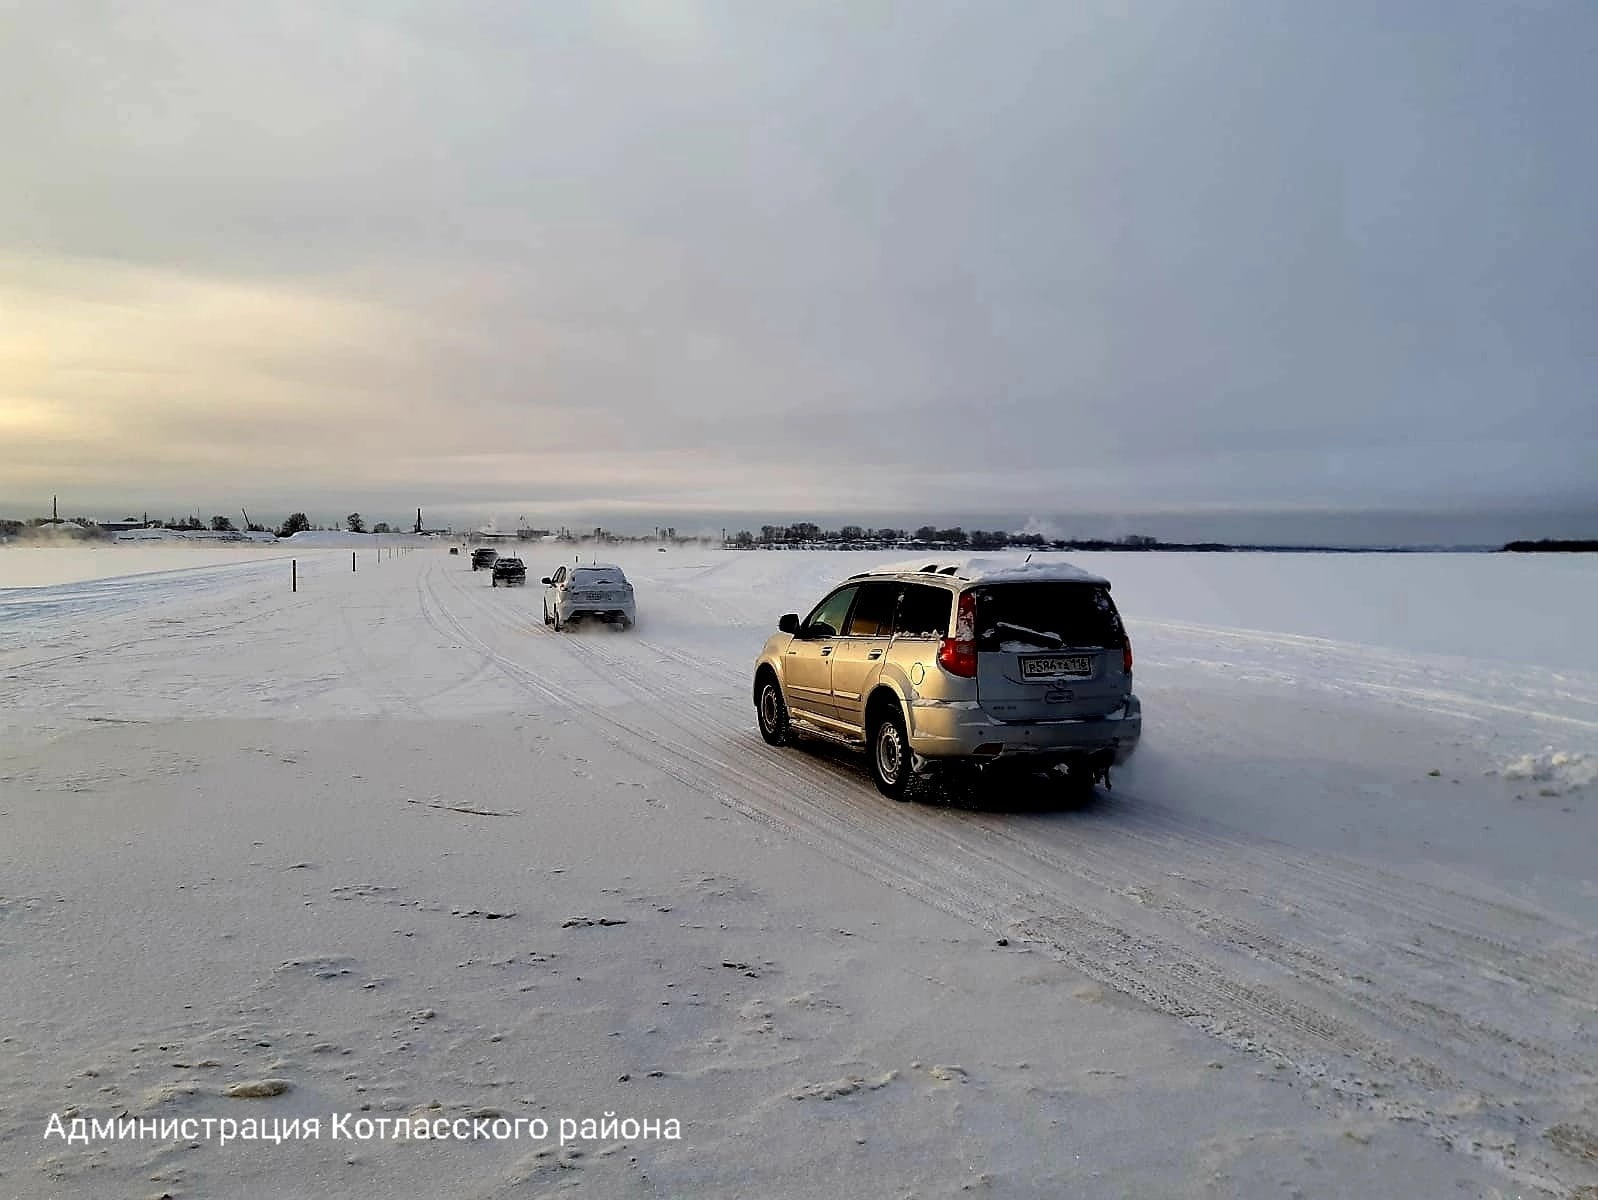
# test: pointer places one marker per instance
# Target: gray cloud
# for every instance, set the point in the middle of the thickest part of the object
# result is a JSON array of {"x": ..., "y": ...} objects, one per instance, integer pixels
[{"x": 691, "y": 255}]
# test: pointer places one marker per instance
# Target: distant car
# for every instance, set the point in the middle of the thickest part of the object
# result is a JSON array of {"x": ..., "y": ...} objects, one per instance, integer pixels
[
  {"x": 454, "y": 549},
  {"x": 483, "y": 556},
  {"x": 597, "y": 591},
  {"x": 508, "y": 571},
  {"x": 958, "y": 663}
]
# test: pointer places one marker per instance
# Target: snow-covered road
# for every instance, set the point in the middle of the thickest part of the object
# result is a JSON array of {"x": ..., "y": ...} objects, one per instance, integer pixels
[{"x": 1363, "y": 873}]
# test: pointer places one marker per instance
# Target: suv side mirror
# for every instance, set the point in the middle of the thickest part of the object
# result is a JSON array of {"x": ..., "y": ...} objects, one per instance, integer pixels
[
  {"x": 789, "y": 623},
  {"x": 545, "y": 579}
]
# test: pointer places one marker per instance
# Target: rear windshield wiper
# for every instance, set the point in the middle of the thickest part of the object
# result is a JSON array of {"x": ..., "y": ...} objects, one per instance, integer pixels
[{"x": 1037, "y": 637}]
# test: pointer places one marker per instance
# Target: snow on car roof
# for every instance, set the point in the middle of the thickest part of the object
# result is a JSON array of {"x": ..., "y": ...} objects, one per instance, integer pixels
[
  {"x": 597, "y": 567},
  {"x": 992, "y": 570}
]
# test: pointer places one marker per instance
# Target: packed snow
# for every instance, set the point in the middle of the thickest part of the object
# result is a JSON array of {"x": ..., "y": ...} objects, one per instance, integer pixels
[
  {"x": 387, "y": 846},
  {"x": 1558, "y": 771}
]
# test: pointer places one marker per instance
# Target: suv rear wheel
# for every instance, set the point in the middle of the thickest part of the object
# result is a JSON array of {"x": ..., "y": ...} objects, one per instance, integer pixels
[
  {"x": 772, "y": 710},
  {"x": 1080, "y": 785},
  {"x": 890, "y": 753}
]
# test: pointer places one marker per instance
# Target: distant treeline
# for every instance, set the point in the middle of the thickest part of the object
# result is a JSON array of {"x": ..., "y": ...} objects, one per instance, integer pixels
[
  {"x": 1580, "y": 545},
  {"x": 808, "y": 536},
  {"x": 858, "y": 537}
]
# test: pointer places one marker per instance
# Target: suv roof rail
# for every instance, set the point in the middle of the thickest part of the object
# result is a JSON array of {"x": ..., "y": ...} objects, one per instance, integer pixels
[
  {"x": 931, "y": 568},
  {"x": 976, "y": 570}
]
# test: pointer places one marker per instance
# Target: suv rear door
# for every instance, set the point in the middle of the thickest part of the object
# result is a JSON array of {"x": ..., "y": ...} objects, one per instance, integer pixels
[
  {"x": 1048, "y": 650},
  {"x": 857, "y": 656}
]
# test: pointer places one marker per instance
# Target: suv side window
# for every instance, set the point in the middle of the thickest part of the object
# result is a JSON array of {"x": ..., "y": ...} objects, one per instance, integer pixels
[
  {"x": 924, "y": 611},
  {"x": 873, "y": 611},
  {"x": 831, "y": 612}
]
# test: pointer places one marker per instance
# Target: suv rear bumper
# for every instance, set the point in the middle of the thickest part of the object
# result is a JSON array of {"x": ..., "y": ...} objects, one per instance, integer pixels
[{"x": 943, "y": 730}]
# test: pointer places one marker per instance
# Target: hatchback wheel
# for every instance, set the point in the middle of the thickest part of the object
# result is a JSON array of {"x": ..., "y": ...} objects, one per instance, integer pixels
[
  {"x": 773, "y": 713},
  {"x": 890, "y": 754}
]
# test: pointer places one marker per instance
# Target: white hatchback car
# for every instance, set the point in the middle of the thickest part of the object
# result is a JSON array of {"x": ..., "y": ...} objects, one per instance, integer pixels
[{"x": 593, "y": 590}]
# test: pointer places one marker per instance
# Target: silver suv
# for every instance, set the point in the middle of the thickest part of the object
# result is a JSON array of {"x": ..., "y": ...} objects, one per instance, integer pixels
[{"x": 958, "y": 662}]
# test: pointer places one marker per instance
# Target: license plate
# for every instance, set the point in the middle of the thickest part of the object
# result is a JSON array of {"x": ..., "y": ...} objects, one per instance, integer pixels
[{"x": 1040, "y": 666}]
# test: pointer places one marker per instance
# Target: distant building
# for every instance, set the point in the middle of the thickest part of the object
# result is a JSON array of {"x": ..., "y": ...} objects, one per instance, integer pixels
[{"x": 124, "y": 526}]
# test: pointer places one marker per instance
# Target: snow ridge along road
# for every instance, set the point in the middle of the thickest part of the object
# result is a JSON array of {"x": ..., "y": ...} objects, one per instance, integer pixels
[{"x": 1314, "y": 859}]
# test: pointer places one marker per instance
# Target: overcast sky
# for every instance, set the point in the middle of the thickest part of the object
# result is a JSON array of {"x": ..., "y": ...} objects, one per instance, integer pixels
[{"x": 617, "y": 260}]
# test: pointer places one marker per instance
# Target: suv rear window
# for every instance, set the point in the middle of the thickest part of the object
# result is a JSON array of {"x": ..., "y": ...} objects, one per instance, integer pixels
[
  {"x": 1047, "y": 615},
  {"x": 924, "y": 611},
  {"x": 872, "y": 615}
]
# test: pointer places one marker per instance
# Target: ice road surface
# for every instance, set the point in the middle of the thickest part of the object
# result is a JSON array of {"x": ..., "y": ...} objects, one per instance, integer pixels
[{"x": 390, "y": 847}]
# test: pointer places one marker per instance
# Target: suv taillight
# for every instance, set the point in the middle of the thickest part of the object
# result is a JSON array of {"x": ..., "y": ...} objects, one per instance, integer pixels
[
  {"x": 1126, "y": 655},
  {"x": 958, "y": 654}
]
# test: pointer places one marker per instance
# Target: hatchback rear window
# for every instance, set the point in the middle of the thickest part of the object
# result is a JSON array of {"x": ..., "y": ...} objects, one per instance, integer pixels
[
  {"x": 590, "y": 577},
  {"x": 1046, "y": 615}
]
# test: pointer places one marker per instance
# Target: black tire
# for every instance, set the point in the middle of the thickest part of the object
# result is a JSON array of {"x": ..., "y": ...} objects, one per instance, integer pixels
[
  {"x": 493, "y": 583},
  {"x": 771, "y": 712},
  {"x": 547, "y": 620},
  {"x": 560, "y": 626},
  {"x": 889, "y": 748}
]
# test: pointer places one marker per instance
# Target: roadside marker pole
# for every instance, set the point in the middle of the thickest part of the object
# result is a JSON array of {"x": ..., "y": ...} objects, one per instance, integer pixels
[
  {"x": 294, "y": 574},
  {"x": 352, "y": 560}
]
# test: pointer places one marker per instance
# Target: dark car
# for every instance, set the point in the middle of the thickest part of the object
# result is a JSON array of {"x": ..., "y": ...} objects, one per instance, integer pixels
[
  {"x": 482, "y": 557},
  {"x": 509, "y": 571}
]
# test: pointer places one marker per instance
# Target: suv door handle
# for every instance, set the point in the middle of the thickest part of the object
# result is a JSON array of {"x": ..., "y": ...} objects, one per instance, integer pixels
[
  {"x": 875, "y": 654},
  {"x": 826, "y": 650}
]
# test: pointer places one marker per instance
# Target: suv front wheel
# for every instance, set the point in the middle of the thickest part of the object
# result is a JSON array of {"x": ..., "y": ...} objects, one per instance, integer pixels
[
  {"x": 890, "y": 753},
  {"x": 772, "y": 711}
]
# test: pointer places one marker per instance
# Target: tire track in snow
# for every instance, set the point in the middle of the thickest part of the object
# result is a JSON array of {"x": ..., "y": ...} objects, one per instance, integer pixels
[
  {"x": 1395, "y": 677},
  {"x": 1297, "y": 1003}
]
